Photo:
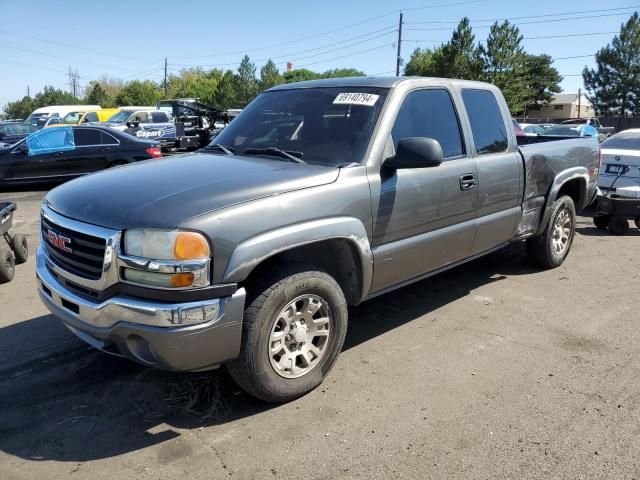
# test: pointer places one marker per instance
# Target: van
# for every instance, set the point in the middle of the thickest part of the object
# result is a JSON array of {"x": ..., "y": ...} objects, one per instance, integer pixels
[
  {"x": 79, "y": 117},
  {"x": 40, "y": 115}
]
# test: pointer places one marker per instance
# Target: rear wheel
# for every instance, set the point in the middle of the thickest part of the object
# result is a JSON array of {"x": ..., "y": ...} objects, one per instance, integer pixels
[
  {"x": 20, "y": 247},
  {"x": 618, "y": 225},
  {"x": 293, "y": 331},
  {"x": 551, "y": 248},
  {"x": 601, "y": 221},
  {"x": 7, "y": 265}
]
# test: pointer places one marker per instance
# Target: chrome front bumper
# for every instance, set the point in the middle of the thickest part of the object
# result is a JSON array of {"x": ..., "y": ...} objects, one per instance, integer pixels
[{"x": 154, "y": 333}]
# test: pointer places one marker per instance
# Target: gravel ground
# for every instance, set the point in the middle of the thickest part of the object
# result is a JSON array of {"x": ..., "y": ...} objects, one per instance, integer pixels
[{"x": 491, "y": 370}]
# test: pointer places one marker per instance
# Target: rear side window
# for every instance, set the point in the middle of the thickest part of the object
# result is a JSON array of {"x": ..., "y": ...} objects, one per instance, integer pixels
[
  {"x": 108, "y": 139},
  {"x": 87, "y": 136},
  {"x": 429, "y": 113},
  {"x": 159, "y": 117},
  {"x": 487, "y": 125}
]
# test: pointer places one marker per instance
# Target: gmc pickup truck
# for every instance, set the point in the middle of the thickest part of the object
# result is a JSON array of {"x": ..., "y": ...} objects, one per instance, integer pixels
[{"x": 318, "y": 196}]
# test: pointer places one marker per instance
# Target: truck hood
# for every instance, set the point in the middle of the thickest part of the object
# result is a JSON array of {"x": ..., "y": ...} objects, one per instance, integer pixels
[{"x": 165, "y": 193}]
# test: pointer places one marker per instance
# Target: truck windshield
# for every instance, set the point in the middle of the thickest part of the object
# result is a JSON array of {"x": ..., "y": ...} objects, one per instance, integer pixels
[
  {"x": 330, "y": 126},
  {"x": 120, "y": 116}
]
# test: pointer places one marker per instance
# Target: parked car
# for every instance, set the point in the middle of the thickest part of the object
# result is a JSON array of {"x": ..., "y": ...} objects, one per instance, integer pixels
[
  {"x": 80, "y": 117},
  {"x": 517, "y": 128},
  {"x": 531, "y": 129},
  {"x": 67, "y": 152},
  {"x": 593, "y": 122},
  {"x": 39, "y": 116},
  {"x": 319, "y": 195},
  {"x": 570, "y": 130},
  {"x": 11, "y": 132},
  {"x": 621, "y": 164}
]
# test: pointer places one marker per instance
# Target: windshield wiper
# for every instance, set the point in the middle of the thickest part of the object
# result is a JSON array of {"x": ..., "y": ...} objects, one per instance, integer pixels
[
  {"x": 217, "y": 146},
  {"x": 290, "y": 155}
]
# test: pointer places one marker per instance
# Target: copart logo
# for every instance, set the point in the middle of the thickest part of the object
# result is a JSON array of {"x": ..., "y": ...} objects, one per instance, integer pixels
[
  {"x": 59, "y": 241},
  {"x": 149, "y": 133}
]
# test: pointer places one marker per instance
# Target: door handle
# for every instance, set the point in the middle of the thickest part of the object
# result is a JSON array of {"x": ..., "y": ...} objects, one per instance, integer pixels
[
  {"x": 467, "y": 181},
  {"x": 106, "y": 149}
]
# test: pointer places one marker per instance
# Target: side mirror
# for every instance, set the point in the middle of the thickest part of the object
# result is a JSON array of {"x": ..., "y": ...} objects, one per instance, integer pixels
[
  {"x": 416, "y": 152},
  {"x": 23, "y": 148}
]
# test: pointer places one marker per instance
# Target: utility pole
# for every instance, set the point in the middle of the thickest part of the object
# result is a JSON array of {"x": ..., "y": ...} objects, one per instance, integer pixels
[
  {"x": 28, "y": 91},
  {"x": 579, "y": 101},
  {"x": 399, "y": 59},
  {"x": 165, "y": 77}
]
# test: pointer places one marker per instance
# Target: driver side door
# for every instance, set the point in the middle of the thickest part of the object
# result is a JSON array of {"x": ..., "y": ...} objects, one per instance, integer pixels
[{"x": 426, "y": 217}]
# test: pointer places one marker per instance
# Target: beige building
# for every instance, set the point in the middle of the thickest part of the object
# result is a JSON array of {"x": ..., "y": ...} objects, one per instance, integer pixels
[{"x": 564, "y": 105}]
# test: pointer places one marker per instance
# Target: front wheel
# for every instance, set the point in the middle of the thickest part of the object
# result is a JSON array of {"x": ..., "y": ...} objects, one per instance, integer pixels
[
  {"x": 551, "y": 248},
  {"x": 293, "y": 332}
]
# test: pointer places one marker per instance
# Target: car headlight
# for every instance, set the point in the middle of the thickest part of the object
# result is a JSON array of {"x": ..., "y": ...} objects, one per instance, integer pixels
[
  {"x": 165, "y": 258},
  {"x": 165, "y": 245}
]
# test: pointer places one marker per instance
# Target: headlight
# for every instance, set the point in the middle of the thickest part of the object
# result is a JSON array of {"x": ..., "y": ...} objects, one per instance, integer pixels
[
  {"x": 165, "y": 245},
  {"x": 166, "y": 258}
]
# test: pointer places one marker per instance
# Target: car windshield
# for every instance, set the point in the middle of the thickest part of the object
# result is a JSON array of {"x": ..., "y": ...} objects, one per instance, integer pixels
[
  {"x": 34, "y": 118},
  {"x": 623, "y": 141},
  {"x": 72, "y": 118},
  {"x": 119, "y": 117},
  {"x": 330, "y": 126},
  {"x": 562, "y": 132}
]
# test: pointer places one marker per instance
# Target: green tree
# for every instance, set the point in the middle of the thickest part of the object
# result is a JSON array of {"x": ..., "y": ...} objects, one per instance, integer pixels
[
  {"x": 226, "y": 95},
  {"x": 19, "y": 109},
  {"x": 53, "y": 96},
  {"x": 196, "y": 83},
  {"x": 543, "y": 79},
  {"x": 342, "y": 72},
  {"x": 425, "y": 63},
  {"x": 246, "y": 82},
  {"x": 137, "y": 92},
  {"x": 270, "y": 76},
  {"x": 96, "y": 95},
  {"x": 300, "y": 75},
  {"x": 614, "y": 85}
]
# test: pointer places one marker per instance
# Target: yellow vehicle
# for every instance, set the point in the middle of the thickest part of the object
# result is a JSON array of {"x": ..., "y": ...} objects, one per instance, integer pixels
[{"x": 83, "y": 116}]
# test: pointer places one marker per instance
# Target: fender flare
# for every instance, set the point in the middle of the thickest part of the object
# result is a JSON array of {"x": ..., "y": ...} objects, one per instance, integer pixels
[
  {"x": 252, "y": 252},
  {"x": 580, "y": 173}
]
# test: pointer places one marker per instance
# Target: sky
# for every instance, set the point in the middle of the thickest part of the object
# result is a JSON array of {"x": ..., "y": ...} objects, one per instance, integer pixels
[{"x": 41, "y": 40}]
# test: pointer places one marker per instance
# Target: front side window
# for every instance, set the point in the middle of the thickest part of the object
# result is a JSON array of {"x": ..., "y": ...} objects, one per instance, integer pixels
[
  {"x": 90, "y": 117},
  {"x": 159, "y": 117},
  {"x": 72, "y": 118},
  {"x": 487, "y": 124},
  {"x": 51, "y": 140},
  {"x": 430, "y": 113},
  {"x": 331, "y": 125}
]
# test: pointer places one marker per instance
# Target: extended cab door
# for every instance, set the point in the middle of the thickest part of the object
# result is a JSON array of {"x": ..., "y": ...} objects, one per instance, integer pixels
[
  {"x": 500, "y": 168},
  {"x": 425, "y": 217}
]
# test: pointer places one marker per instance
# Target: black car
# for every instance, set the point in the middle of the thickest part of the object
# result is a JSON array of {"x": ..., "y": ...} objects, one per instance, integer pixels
[
  {"x": 60, "y": 153},
  {"x": 12, "y": 132}
]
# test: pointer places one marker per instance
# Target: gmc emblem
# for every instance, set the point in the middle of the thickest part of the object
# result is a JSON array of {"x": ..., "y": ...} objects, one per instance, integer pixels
[{"x": 59, "y": 241}]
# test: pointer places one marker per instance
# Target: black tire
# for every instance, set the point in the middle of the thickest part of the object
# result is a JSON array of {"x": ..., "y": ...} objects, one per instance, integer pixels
[
  {"x": 7, "y": 265},
  {"x": 20, "y": 247},
  {"x": 540, "y": 249},
  {"x": 618, "y": 225},
  {"x": 253, "y": 370},
  {"x": 601, "y": 221},
  {"x": 637, "y": 221}
]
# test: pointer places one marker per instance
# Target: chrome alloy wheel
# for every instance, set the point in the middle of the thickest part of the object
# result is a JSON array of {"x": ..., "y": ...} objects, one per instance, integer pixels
[
  {"x": 561, "y": 232},
  {"x": 300, "y": 336}
]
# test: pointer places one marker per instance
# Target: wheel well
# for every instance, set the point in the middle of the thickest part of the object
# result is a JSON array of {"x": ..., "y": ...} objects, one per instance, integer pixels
[
  {"x": 575, "y": 189},
  {"x": 338, "y": 257}
]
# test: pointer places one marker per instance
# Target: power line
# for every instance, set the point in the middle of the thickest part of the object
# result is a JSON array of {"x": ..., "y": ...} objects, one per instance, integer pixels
[
  {"x": 568, "y": 35},
  {"x": 348, "y": 55}
]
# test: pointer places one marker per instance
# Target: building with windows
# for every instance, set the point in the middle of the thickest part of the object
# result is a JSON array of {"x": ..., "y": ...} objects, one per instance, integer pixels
[{"x": 564, "y": 105}]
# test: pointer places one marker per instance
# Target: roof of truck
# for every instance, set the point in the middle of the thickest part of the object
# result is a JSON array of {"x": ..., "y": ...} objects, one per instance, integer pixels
[{"x": 382, "y": 82}]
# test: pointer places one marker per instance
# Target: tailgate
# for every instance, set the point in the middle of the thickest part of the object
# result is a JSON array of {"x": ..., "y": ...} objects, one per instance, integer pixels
[{"x": 619, "y": 162}]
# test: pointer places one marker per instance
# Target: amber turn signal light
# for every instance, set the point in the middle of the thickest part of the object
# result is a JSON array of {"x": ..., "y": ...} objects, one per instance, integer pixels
[{"x": 190, "y": 245}]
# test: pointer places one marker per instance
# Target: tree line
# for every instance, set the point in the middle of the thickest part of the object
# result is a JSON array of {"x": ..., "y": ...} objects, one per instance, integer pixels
[
  {"x": 526, "y": 80},
  {"x": 223, "y": 89}
]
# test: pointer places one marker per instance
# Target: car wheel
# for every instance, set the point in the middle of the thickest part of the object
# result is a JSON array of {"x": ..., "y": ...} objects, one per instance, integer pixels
[
  {"x": 618, "y": 225},
  {"x": 20, "y": 247},
  {"x": 601, "y": 221},
  {"x": 293, "y": 332},
  {"x": 551, "y": 248},
  {"x": 7, "y": 265}
]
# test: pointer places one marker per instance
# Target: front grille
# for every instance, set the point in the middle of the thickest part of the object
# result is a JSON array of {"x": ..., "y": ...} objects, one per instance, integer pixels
[{"x": 86, "y": 257}]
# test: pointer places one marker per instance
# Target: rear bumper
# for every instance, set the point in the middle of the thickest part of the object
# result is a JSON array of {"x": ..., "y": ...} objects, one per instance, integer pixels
[{"x": 133, "y": 327}]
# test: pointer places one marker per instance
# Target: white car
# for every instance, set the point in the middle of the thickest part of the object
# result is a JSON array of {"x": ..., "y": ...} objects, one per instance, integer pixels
[
  {"x": 531, "y": 129},
  {"x": 621, "y": 164}
]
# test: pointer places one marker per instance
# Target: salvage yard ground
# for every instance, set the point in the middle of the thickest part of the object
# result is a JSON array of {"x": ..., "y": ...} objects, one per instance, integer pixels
[{"x": 491, "y": 370}]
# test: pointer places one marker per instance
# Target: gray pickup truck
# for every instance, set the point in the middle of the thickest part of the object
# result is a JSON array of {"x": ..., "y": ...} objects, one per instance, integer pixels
[{"x": 320, "y": 195}]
